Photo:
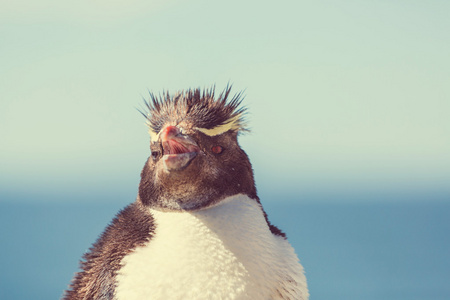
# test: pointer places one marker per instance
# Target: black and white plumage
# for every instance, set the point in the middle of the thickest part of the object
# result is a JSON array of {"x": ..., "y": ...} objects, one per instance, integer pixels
[{"x": 197, "y": 229}]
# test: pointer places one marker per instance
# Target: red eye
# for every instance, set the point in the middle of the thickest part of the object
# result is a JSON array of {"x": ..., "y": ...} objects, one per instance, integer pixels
[{"x": 217, "y": 149}]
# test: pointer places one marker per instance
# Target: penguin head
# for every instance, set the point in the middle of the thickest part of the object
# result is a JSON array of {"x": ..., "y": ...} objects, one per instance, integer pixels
[{"x": 195, "y": 159}]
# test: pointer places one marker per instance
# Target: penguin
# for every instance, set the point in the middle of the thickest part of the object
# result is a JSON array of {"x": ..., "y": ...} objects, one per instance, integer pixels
[{"x": 197, "y": 229}]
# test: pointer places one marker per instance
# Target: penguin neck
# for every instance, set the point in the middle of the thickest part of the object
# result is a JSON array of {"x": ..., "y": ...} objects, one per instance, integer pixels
[
  {"x": 233, "y": 211},
  {"x": 237, "y": 221}
]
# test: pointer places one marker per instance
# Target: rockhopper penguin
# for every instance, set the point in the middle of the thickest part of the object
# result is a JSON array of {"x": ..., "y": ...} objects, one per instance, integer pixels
[{"x": 197, "y": 229}]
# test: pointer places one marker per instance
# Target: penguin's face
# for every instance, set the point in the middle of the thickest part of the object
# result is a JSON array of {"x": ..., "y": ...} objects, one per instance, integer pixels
[{"x": 193, "y": 167}]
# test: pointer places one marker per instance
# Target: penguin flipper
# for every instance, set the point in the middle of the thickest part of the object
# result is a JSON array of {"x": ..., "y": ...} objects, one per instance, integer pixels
[{"x": 132, "y": 227}]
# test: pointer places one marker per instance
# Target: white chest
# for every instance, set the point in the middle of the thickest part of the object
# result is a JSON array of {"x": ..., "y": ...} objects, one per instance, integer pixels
[{"x": 224, "y": 252}]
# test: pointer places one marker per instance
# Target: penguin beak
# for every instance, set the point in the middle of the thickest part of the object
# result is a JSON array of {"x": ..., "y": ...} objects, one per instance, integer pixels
[{"x": 178, "y": 149}]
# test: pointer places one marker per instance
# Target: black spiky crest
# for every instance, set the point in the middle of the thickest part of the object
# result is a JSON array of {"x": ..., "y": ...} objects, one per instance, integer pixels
[{"x": 197, "y": 107}]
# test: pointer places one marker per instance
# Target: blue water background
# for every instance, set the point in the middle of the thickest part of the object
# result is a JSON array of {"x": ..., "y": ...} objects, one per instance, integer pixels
[{"x": 350, "y": 251}]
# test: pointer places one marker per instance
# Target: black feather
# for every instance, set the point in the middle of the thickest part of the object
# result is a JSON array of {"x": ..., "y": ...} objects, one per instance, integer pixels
[{"x": 197, "y": 107}]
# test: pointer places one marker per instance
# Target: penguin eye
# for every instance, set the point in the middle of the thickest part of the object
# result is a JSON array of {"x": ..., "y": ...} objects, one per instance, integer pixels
[
  {"x": 216, "y": 149},
  {"x": 155, "y": 155}
]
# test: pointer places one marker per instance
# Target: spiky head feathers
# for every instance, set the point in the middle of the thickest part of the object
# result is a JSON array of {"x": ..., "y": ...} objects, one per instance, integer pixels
[{"x": 196, "y": 109}]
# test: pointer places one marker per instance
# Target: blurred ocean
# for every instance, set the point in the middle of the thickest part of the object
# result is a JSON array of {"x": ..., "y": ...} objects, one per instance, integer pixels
[{"x": 350, "y": 251}]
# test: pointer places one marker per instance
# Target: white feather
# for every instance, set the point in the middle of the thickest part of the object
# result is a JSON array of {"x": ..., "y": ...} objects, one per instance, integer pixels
[
  {"x": 153, "y": 135},
  {"x": 222, "y": 252}
]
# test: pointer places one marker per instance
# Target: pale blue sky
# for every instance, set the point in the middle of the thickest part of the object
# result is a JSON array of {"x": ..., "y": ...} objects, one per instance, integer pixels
[{"x": 346, "y": 98}]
